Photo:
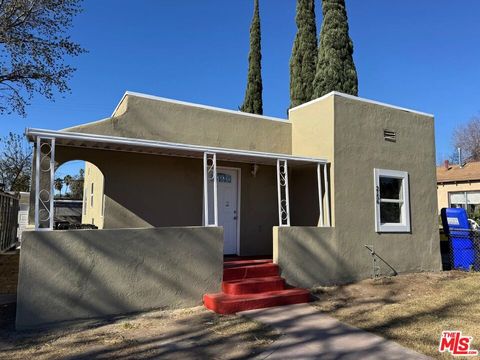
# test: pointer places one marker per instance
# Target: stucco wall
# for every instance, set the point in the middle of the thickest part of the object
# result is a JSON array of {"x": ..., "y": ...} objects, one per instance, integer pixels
[
  {"x": 349, "y": 133},
  {"x": 79, "y": 274},
  {"x": 307, "y": 255},
  {"x": 359, "y": 149},
  {"x": 444, "y": 189},
  {"x": 304, "y": 209},
  {"x": 143, "y": 118},
  {"x": 313, "y": 135},
  {"x": 144, "y": 190}
]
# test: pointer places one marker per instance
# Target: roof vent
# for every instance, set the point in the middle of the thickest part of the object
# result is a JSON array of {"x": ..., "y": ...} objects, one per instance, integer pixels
[{"x": 389, "y": 135}]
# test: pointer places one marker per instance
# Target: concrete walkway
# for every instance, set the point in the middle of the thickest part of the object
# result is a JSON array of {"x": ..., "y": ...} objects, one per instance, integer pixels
[{"x": 309, "y": 334}]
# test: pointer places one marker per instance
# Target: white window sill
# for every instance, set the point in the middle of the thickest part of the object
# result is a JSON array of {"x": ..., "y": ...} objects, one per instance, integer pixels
[{"x": 392, "y": 228}]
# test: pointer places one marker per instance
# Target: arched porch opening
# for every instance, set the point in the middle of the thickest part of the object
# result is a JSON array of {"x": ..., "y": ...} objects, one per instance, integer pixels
[{"x": 79, "y": 200}]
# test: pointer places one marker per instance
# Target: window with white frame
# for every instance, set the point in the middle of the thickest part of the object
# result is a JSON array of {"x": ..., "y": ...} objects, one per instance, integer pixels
[
  {"x": 392, "y": 207},
  {"x": 469, "y": 200},
  {"x": 91, "y": 196}
]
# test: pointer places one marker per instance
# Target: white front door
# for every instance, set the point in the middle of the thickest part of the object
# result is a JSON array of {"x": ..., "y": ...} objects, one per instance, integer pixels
[{"x": 228, "y": 211}]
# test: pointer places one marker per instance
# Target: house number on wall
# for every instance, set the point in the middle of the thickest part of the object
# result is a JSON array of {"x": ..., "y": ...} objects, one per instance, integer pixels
[{"x": 225, "y": 178}]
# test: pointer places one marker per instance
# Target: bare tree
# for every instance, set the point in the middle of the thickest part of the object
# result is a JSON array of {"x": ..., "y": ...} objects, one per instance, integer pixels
[
  {"x": 33, "y": 45},
  {"x": 15, "y": 162},
  {"x": 467, "y": 138}
]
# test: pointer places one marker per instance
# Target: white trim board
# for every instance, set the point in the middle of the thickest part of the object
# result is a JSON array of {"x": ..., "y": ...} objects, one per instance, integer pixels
[
  {"x": 401, "y": 227},
  {"x": 206, "y": 107},
  {"x": 351, "y": 97},
  {"x": 104, "y": 139}
]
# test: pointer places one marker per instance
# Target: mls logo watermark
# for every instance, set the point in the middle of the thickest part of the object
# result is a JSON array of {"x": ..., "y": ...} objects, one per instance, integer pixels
[{"x": 456, "y": 344}]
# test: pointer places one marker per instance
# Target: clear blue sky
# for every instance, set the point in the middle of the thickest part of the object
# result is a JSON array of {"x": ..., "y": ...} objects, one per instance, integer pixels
[{"x": 420, "y": 54}]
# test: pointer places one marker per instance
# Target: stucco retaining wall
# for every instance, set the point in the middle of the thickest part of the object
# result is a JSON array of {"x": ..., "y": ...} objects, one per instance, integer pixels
[
  {"x": 81, "y": 274},
  {"x": 311, "y": 256},
  {"x": 307, "y": 255}
]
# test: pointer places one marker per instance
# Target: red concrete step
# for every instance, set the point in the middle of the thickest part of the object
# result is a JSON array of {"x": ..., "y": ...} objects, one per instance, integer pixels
[
  {"x": 239, "y": 263},
  {"x": 251, "y": 271},
  {"x": 229, "y": 304},
  {"x": 253, "y": 285}
]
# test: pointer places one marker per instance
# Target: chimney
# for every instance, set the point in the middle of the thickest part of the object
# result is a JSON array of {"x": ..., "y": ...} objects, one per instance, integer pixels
[{"x": 447, "y": 164}]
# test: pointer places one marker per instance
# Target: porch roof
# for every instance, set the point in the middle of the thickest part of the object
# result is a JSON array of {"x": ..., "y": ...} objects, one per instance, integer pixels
[{"x": 115, "y": 143}]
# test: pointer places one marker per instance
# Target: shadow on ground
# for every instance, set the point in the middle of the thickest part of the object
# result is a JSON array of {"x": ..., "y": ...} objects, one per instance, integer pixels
[
  {"x": 176, "y": 334},
  {"x": 411, "y": 309}
]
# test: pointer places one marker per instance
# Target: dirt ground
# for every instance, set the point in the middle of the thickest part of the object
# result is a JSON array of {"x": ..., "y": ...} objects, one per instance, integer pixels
[
  {"x": 410, "y": 309},
  {"x": 193, "y": 333}
]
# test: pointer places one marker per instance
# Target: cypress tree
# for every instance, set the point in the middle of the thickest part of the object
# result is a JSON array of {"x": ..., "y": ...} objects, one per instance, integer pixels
[
  {"x": 253, "y": 95},
  {"x": 304, "y": 54},
  {"x": 335, "y": 67}
]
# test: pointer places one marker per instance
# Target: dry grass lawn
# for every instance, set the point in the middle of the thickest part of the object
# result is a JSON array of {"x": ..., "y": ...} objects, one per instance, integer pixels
[
  {"x": 193, "y": 333},
  {"x": 410, "y": 309}
]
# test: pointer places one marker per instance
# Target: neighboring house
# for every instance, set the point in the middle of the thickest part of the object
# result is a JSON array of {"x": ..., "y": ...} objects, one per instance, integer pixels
[
  {"x": 68, "y": 211},
  {"x": 93, "y": 196},
  {"x": 23, "y": 206},
  {"x": 459, "y": 186},
  {"x": 183, "y": 184}
]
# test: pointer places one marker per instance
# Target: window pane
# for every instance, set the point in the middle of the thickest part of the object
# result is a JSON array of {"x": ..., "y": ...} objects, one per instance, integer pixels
[
  {"x": 457, "y": 198},
  {"x": 390, "y": 213},
  {"x": 473, "y": 197},
  {"x": 390, "y": 188}
]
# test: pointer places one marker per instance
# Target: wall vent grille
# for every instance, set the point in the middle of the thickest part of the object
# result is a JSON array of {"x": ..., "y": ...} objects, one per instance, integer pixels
[{"x": 389, "y": 135}]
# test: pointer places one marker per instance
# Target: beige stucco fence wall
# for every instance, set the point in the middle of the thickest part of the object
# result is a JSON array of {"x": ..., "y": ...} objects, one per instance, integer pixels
[{"x": 81, "y": 274}]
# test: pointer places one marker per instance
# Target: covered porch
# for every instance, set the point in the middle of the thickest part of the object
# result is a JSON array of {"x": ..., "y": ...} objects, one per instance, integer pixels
[{"x": 162, "y": 184}]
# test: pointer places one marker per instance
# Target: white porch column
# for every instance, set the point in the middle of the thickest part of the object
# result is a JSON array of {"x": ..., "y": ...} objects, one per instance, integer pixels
[
  {"x": 327, "y": 193},
  {"x": 283, "y": 198},
  {"x": 210, "y": 177},
  {"x": 44, "y": 183},
  {"x": 320, "y": 193},
  {"x": 324, "y": 204}
]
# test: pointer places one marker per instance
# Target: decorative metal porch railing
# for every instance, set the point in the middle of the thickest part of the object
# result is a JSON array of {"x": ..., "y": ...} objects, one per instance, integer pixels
[
  {"x": 45, "y": 142},
  {"x": 284, "y": 197}
]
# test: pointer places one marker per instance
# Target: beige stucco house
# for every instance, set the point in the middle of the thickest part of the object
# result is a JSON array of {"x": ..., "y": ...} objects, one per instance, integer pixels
[
  {"x": 176, "y": 186},
  {"x": 459, "y": 186}
]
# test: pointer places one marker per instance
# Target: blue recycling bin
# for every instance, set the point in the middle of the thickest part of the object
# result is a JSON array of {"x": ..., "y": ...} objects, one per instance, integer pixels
[{"x": 462, "y": 239}]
